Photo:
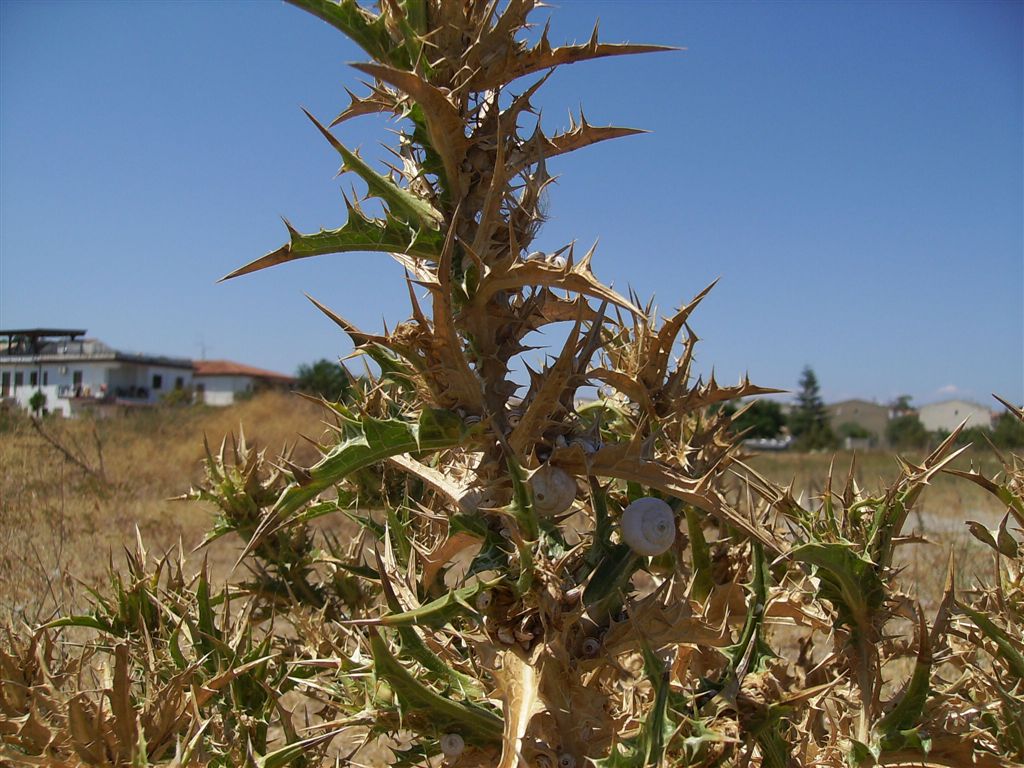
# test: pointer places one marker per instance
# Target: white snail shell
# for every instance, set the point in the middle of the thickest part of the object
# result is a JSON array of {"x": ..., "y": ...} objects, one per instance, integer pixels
[
  {"x": 554, "y": 490},
  {"x": 452, "y": 744},
  {"x": 648, "y": 526},
  {"x": 506, "y": 635},
  {"x": 565, "y": 760},
  {"x": 483, "y": 600},
  {"x": 591, "y": 646}
]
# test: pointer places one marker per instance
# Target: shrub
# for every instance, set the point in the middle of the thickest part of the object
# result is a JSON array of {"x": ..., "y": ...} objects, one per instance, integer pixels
[
  {"x": 324, "y": 379},
  {"x": 762, "y": 419},
  {"x": 1008, "y": 431},
  {"x": 905, "y": 432},
  {"x": 855, "y": 431},
  {"x": 177, "y": 397}
]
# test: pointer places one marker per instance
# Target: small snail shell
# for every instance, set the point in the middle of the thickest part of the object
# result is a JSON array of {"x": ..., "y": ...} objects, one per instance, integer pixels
[
  {"x": 452, "y": 745},
  {"x": 565, "y": 760},
  {"x": 483, "y": 600},
  {"x": 591, "y": 646},
  {"x": 554, "y": 490},
  {"x": 648, "y": 526}
]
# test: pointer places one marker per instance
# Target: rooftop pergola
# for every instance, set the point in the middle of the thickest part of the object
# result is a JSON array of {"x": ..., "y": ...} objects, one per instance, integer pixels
[{"x": 29, "y": 340}]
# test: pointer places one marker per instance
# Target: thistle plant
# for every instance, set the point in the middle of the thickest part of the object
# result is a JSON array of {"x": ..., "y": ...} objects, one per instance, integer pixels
[
  {"x": 522, "y": 577},
  {"x": 515, "y": 524}
]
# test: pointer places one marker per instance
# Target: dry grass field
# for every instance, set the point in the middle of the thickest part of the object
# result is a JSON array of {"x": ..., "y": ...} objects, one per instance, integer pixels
[
  {"x": 939, "y": 520},
  {"x": 73, "y": 493},
  {"x": 64, "y": 524}
]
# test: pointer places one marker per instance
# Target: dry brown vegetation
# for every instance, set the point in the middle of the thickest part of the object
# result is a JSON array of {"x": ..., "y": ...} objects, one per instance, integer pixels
[
  {"x": 524, "y": 579},
  {"x": 73, "y": 498},
  {"x": 64, "y": 526},
  {"x": 940, "y": 517},
  {"x": 65, "y": 523}
]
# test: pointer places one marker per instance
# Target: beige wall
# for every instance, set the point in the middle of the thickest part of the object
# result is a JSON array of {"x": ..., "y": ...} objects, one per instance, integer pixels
[
  {"x": 948, "y": 414},
  {"x": 872, "y": 416}
]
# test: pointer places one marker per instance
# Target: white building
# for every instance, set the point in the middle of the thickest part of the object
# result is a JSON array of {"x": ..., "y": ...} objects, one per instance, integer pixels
[
  {"x": 948, "y": 414},
  {"x": 222, "y": 382},
  {"x": 75, "y": 373}
]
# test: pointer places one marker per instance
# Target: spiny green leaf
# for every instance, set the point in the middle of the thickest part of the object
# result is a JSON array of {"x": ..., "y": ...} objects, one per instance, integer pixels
[
  {"x": 910, "y": 739},
  {"x": 1007, "y": 652},
  {"x": 402, "y": 203},
  {"x": 398, "y": 526},
  {"x": 647, "y": 748},
  {"x": 414, "y": 647},
  {"x": 609, "y": 579},
  {"x": 700, "y": 553},
  {"x": 205, "y": 632},
  {"x": 521, "y": 506},
  {"x": 861, "y": 753},
  {"x": 89, "y": 622},
  {"x": 374, "y": 440},
  {"x": 601, "y": 542},
  {"x": 416, "y": 13},
  {"x": 365, "y": 29},
  {"x": 360, "y": 233},
  {"x": 775, "y": 748},
  {"x": 475, "y": 724},
  {"x": 908, "y": 710},
  {"x": 437, "y": 612},
  {"x": 848, "y": 581},
  {"x": 751, "y": 650},
  {"x": 290, "y": 752}
]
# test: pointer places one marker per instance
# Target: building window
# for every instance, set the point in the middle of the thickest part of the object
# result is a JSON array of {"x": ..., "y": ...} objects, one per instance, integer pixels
[
  {"x": 76, "y": 378},
  {"x": 158, "y": 381},
  {"x": 46, "y": 378},
  {"x": 179, "y": 382},
  {"x": 5, "y": 383},
  {"x": 33, "y": 379},
  {"x": 19, "y": 380}
]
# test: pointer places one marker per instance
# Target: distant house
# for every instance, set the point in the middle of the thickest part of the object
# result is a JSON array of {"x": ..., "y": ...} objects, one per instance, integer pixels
[
  {"x": 75, "y": 373},
  {"x": 869, "y": 417},
  {"x": 222, "y": 382},
  {"x": 947, "y": 415}
]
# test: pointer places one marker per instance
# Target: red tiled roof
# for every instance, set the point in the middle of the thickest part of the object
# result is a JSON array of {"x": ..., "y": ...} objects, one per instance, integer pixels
[{"x": 229, "y": 368}]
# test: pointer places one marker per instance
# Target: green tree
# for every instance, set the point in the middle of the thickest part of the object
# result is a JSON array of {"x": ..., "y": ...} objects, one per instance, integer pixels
[
  {"x": 855, "y": 431},
  {"x": 901, "y": 406},
  {"x": 906, "y": 431},
  {"x": 764, "y": 418},
  {"x": 37, "y": 402},
  {"x": 808, "y": 422},
  {"x": 324, "y": 378},
  {"x": 1008, "y": 431}
]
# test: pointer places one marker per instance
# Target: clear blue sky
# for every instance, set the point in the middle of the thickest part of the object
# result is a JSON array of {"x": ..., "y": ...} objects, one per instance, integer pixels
[{"x": 851, "y": 171}]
